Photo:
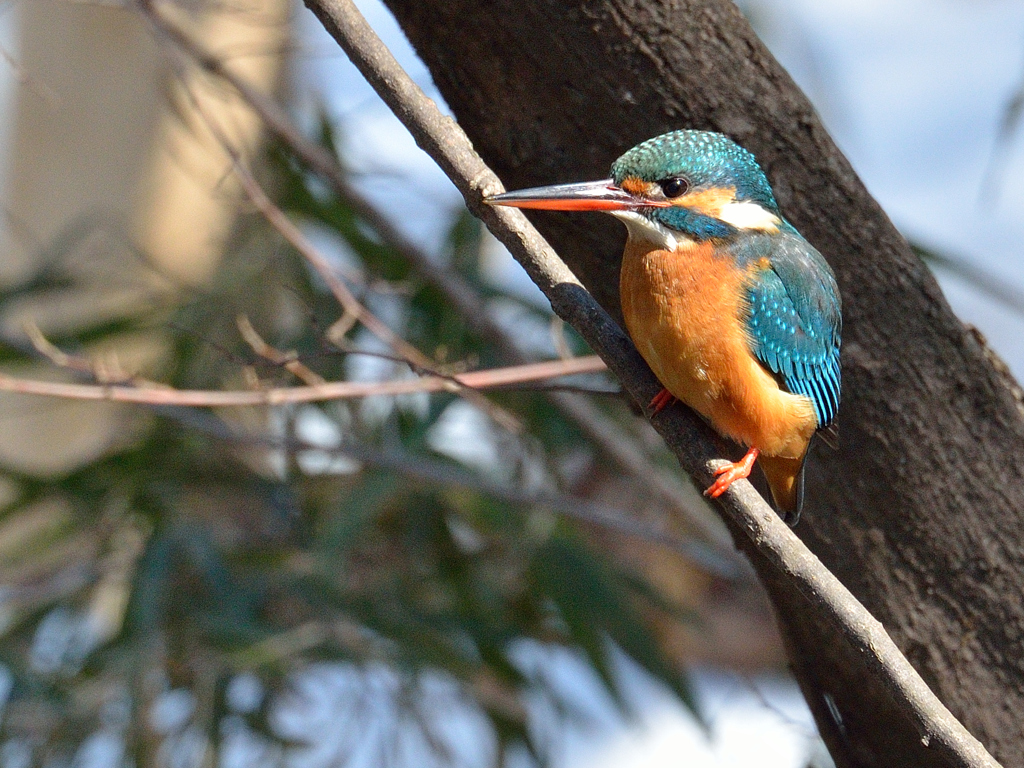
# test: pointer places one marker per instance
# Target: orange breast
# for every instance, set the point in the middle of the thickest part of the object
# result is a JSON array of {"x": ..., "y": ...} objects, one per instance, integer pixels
[{"x": 686, "y": 312}]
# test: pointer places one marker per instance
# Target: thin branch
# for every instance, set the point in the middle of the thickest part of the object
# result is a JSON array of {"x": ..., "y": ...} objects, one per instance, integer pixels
[
  {"x": 287, "y": 360},
  {"x": 444, "y": 141},
  {"x": 126, "y": 391},
  {"x": 611, "y": 439}
]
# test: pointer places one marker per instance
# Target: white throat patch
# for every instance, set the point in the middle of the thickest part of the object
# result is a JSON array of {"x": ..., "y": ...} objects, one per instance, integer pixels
[{"x": 645, "y": 230}]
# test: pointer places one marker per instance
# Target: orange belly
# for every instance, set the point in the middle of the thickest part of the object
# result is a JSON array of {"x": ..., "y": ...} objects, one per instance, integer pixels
[{"x": 685, "y": 311}]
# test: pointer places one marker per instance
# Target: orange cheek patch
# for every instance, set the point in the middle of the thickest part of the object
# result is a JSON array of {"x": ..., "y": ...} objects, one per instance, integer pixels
[
  {"x": 635, "y": 186},
  {"x": 708, "y": 201}
]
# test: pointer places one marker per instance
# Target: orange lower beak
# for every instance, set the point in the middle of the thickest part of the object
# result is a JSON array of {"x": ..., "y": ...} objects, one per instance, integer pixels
[{"x": 586, "y": 196}]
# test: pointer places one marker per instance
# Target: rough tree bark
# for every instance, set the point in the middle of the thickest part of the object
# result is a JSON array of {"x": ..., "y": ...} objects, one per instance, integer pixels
[{"x": 918, "y": 512}]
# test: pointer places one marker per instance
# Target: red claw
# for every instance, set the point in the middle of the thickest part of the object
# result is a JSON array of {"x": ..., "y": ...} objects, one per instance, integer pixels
[
  {"x": 661, "y": 401},
  {"x": 730, "y": 473}
]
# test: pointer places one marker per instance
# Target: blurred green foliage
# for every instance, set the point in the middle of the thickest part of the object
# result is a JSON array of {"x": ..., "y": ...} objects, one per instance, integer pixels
[{"x": 142, "y": 586}]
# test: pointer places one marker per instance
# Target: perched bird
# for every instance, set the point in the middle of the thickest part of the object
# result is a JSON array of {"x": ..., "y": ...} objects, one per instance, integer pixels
[{"x": 736, "y": 313}]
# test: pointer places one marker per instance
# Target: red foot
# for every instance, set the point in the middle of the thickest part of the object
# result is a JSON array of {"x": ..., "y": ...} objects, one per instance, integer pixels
[
  {"x": 730, "y": 473},
  {"x": 661, "y": 401}
]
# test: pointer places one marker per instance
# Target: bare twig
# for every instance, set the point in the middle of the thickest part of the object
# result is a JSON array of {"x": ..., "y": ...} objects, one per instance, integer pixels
[
  {"x": 127, "y": 391},
  {"x": 287, "y": 360},
  {"x": 50, "y": 351},
  {"x": 441, "y": 137}
]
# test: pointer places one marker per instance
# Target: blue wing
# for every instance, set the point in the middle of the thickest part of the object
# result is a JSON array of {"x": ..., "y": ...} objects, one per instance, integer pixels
[{"x": 795, "y": 324}]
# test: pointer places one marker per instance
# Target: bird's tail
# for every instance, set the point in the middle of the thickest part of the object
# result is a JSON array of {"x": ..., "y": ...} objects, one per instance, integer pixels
[{"x": 786, "y": 480}]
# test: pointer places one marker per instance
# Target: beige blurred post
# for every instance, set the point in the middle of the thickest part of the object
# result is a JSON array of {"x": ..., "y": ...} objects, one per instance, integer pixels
[{"x": 92, "y": 140}]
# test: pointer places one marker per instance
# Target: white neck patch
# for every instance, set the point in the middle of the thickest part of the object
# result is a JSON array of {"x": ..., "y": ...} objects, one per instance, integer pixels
[
  {"x": 749, "y": 215},
  {"x": 645, "y": 230}
]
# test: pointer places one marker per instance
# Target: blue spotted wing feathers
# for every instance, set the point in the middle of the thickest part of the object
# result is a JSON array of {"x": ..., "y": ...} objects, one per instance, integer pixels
[{"x": 794, "y": 322}]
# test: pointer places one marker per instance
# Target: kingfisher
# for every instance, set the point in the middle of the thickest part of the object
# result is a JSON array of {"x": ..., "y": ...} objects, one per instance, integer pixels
[{"x": 735, "y": 312}]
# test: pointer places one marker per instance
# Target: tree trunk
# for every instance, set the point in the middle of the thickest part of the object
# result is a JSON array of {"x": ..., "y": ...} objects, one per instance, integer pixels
[{"x": 918, "y": 512}]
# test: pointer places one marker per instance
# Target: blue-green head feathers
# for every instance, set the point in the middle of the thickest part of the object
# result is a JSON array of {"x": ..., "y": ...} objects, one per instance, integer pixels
[{"x": 706, "y": 160}]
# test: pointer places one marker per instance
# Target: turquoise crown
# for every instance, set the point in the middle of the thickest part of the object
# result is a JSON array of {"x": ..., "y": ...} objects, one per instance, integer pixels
[{"x": 706, "y": 160}]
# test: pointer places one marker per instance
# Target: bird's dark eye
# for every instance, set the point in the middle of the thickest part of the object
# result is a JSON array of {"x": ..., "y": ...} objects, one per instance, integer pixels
[{"x": 674, "y": 187}]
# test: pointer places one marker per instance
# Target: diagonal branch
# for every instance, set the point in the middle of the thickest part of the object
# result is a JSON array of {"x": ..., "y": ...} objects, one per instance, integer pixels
[
  {"x": 612, "y": 440},
  {"x": 440, "y": 137}
]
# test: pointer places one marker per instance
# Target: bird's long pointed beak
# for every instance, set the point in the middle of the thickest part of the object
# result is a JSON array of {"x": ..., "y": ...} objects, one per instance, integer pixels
[{"x": 585, "y": 196}]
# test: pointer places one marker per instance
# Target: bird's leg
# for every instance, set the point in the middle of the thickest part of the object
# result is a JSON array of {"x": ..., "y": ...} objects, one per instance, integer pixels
[
  {"x": 661, "y": 401},
  {"x": 730, "y": 473}
]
